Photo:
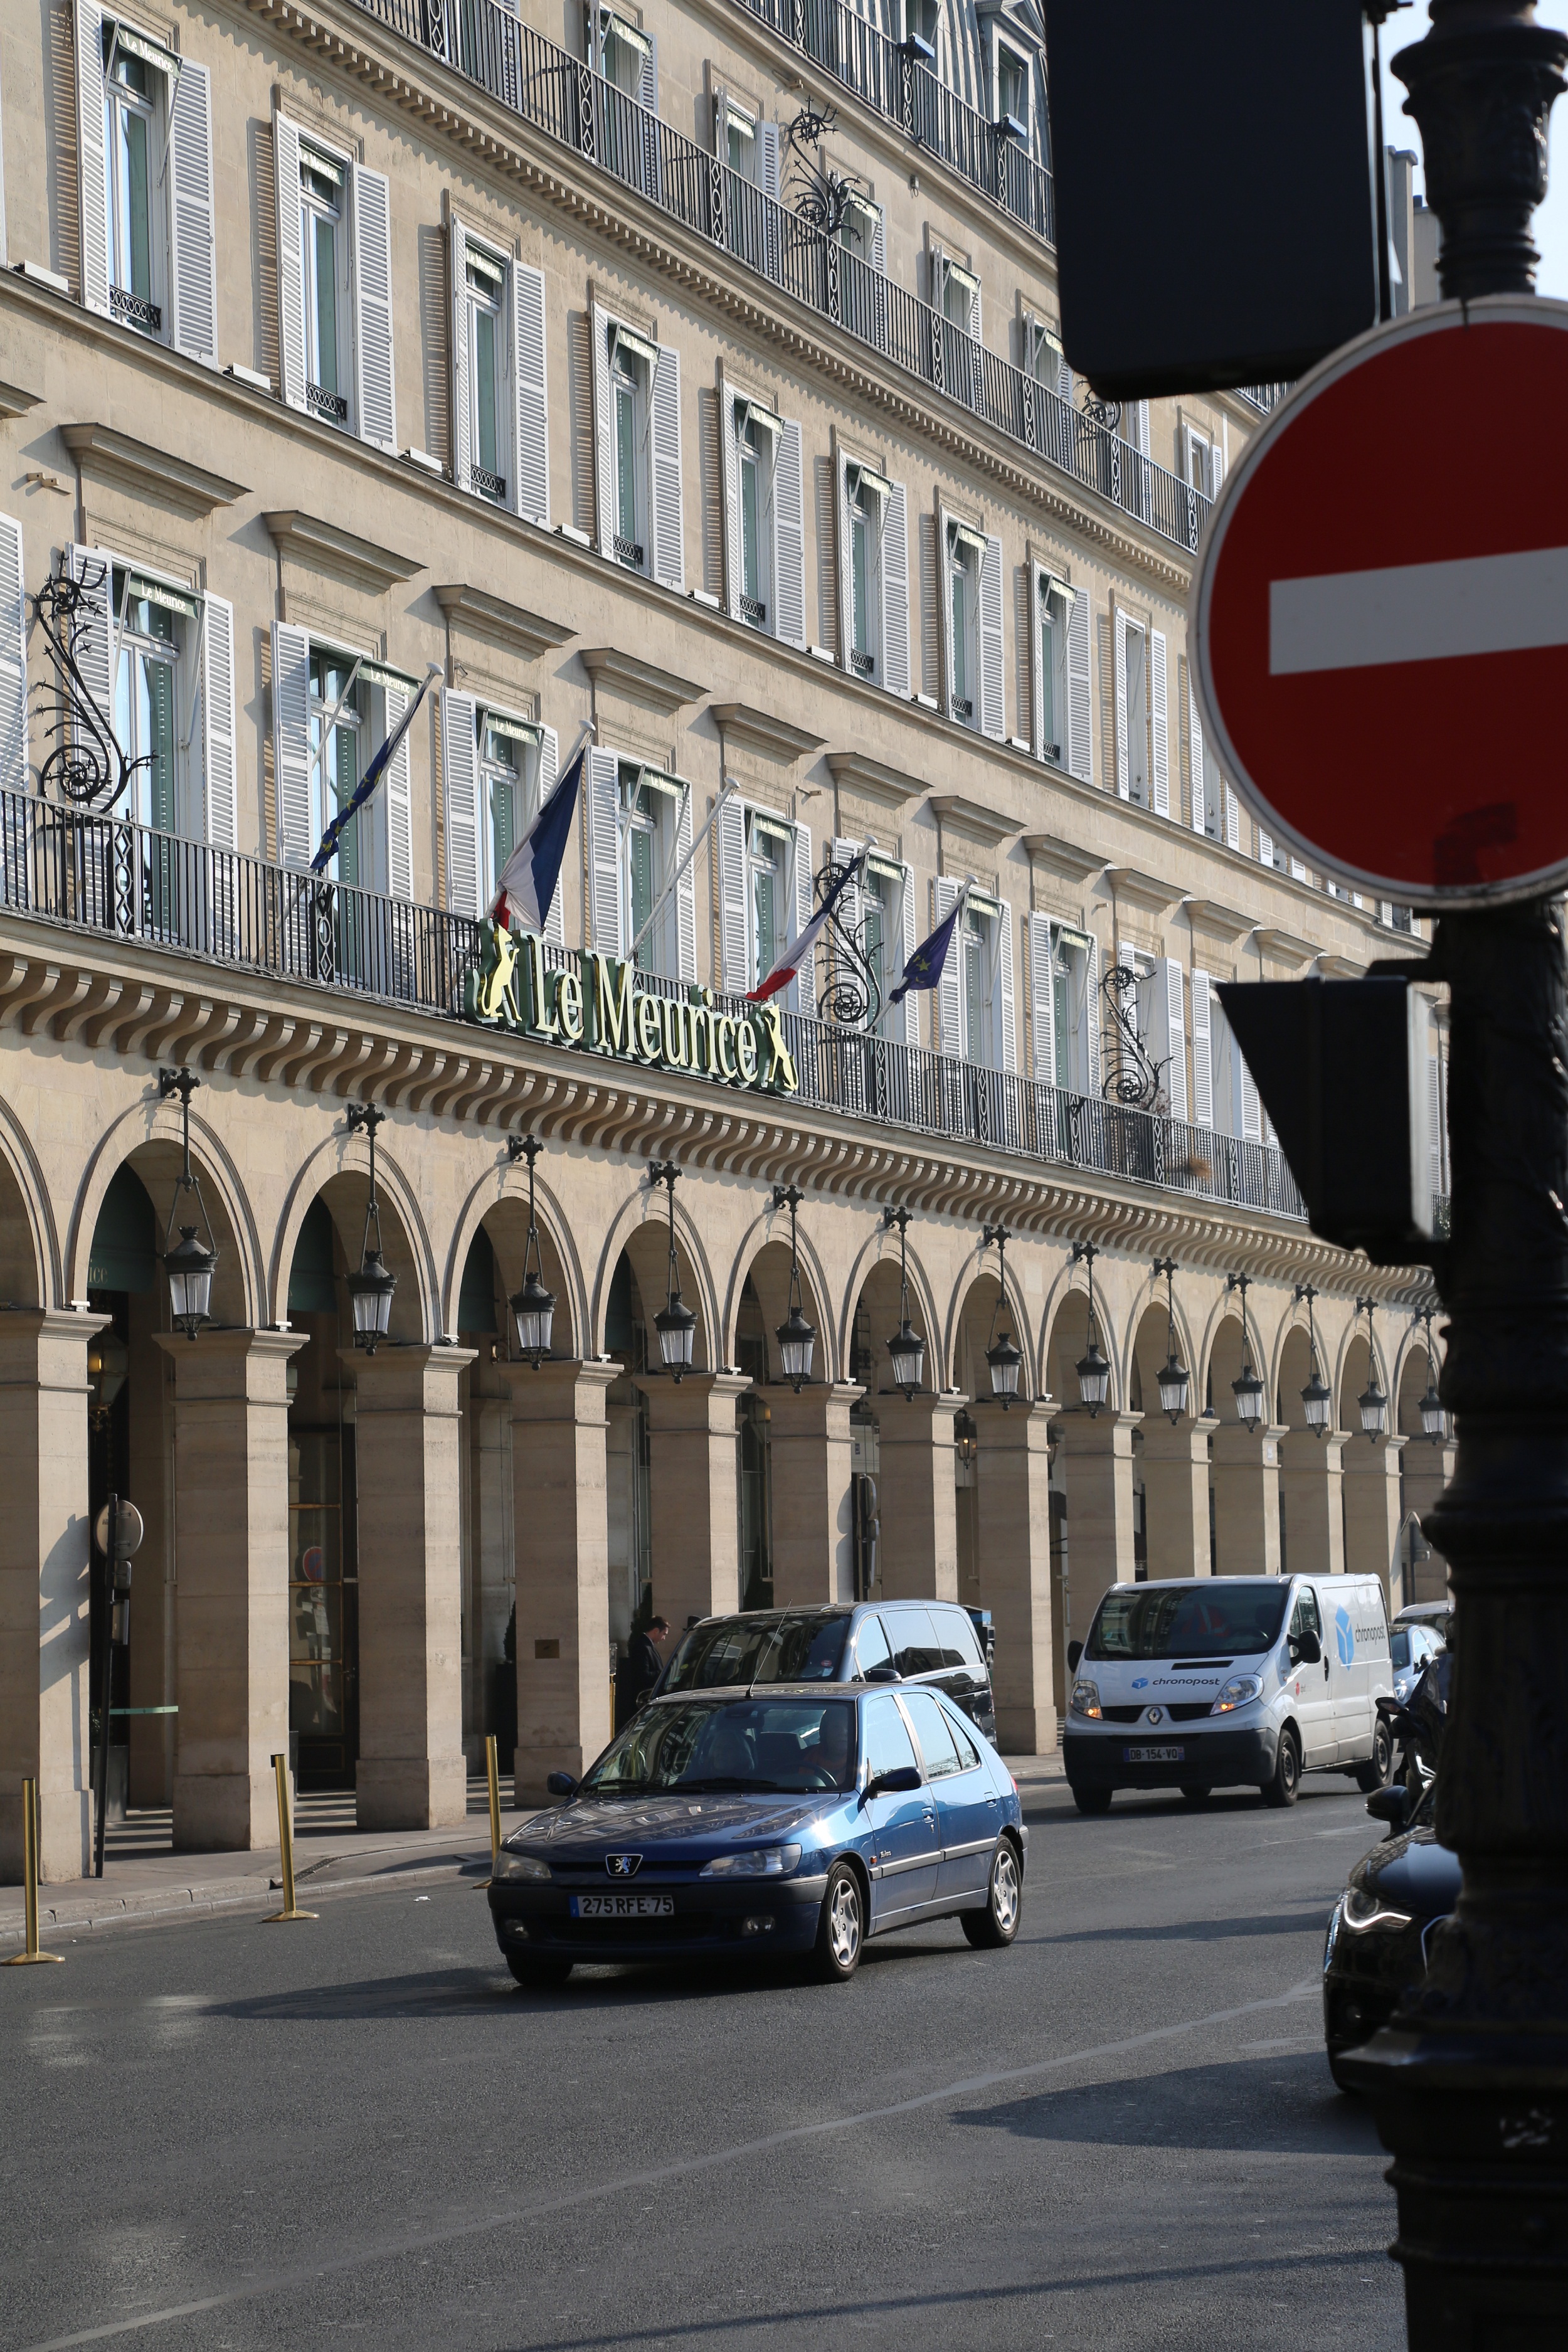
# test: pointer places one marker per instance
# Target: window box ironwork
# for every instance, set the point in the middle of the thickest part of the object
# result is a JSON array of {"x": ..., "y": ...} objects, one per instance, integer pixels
[
  {"x": 135, "y": 311},
  {"x": 333, "y": 405}
]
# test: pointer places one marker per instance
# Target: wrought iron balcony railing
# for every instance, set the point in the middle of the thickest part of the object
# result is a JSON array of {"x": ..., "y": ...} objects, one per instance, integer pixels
[
  {"x": 121, "y": 881},
  {"x": 565, "y": 97}
]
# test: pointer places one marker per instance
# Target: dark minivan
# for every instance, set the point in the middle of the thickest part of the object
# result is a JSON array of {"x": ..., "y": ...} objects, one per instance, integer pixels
[{"x": 884, "y": 1642}]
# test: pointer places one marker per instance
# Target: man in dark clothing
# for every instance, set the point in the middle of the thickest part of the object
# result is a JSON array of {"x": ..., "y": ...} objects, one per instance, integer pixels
[{"x": 643, "y": 1667}]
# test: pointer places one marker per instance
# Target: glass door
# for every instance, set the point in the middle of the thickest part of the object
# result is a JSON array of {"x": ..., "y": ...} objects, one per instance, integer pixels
[{"x": 323, "y": 1606}]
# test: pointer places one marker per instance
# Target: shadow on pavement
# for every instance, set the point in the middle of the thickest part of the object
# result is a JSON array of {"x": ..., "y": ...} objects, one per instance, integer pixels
[
  {"x": 1226, "y": 2109},
  {"x": 1201, "y": 1931}
]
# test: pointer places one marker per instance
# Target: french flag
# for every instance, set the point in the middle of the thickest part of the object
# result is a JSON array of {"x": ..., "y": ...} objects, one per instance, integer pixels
[
  {"x": 799, "y": 949},
  {"x": 528, "y": 879}
]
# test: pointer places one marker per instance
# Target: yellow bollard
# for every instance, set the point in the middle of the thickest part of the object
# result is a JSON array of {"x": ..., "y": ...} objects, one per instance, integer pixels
[
  {"x": 30, "y": 1877},
  {"x": 493, "y": 1778},
  {"x": 285, "y": 1840}
]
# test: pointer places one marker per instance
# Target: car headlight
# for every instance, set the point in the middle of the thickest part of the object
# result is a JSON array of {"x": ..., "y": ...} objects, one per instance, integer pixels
[
  {"x": 1086, "y": 1700},
  {"x": 520, "y": 1866},
  {"x": 1363, "y": 1909},
  {"x": 1240, "y": 1691},
  {"x": 759, "y": 1862}
]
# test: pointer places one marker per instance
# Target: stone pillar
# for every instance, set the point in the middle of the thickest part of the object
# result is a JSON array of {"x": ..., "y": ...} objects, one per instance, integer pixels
[
  {"x": 1096, "y": 1471},
  {"x": 231, "y": 1577},
  {"x": 1427, "y": 1467},
  {"x": 1246, "y": 1500},
  {"x": 917, "y": 1556},
  {"x": 814, "y": 1552},
  {"x": 694, "y": 1527},
  {"x": 44, "y": 1588},
  {"x": 562, "y": 1592},
  {"x": 1373, "y": 1508},
  {"x": 1014, "y": 1517},
  {"x": 411, "y": 1773},
  {"x": 1309, "y": 1482},
  {"x": 1177, "y": 1496}
]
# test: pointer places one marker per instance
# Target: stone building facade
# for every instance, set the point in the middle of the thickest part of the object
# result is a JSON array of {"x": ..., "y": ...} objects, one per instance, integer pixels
[{"x": 682, "y": 382}]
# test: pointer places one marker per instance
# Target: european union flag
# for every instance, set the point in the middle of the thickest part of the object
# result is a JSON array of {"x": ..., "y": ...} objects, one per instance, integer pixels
[{"x": 924, "y": 968}]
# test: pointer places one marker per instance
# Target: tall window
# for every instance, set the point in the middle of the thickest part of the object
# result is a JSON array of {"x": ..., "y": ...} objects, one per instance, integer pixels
[
  {"x": 133, "y": 112},
  {"x": 324, "y": 247},
  {"x": 979, "y": 942},
  {"x": 769, "y": 848},
  {"x": 337, "y": 725},
  {"x": 1052, "y": 673},
  {"x": 1200, "y": 462},
  {"x": 1072, "y": 971},
  {"x": 1012, "y": 91},
  {"x": 882, "y": 900},
  {"x": 629, "y": 392},
  {"x": 1137, "y": 716},
  {"x": 146, "y": 694},
  {"x": 755, "y": 451},
  {"x": 861, "y": 656},
  {"x": 963, "y": 610},
  {"x": 650, "y": 811},
  {"x": 487, "y": 372},
  {"x": 507, "y": 753}
]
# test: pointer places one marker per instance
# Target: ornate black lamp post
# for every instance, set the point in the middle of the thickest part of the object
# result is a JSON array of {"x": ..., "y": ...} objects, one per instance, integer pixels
[
  {"x": 189, "y": 1263},
  {"x": 1247, "y": 1390},
  {"x": 1373, "y": 1402},
  {"x": 907, "y": 1348},
  {"x": 371, "y": 1289},
  {"x": 1174, "y": 1380},
  {"x": 1316, "y": 1398},
  {"x": 675, "y": 1322},
  {"x": 1468, "y": 2083},
  {"x": 1002, "y": 1356},
  {"x": 1093, "y": 1372},
  {"x": 795, "y": 1336},
  {"x": 533, "y": 1306}
]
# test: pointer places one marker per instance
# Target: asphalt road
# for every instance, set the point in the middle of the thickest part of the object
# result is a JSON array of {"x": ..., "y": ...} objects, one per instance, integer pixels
[{"x": 1121, "y": 2132}]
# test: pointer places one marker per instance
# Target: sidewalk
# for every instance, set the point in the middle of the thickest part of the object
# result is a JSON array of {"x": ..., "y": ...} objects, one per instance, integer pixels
[{"x": 143, "y": 1881}]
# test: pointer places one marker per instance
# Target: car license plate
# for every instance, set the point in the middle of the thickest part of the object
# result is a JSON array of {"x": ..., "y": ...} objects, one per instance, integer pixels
[
  {"x": 622, "y": 1906},
  {"x": 1153, "y": 1755}
]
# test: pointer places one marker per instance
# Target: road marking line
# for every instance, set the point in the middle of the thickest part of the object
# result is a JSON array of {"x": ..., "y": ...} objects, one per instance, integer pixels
[
  {"x": 684, "y": 2168},
  {"x": 1419, "y": 611}
]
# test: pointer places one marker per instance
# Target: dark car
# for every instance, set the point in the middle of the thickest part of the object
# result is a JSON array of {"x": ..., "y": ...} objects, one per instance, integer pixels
[
  {"x": 932, "y": 1642},
  {"x": 739, "y": 1823},
  {"x": 1382, "y": 1924}
]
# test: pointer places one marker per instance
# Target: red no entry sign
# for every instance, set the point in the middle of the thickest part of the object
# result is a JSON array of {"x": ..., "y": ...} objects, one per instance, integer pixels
[{"x": 1380, "y": 629}]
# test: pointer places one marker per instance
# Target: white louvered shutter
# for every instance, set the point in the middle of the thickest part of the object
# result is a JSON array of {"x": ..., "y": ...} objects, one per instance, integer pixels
[
  {"x": 532, "y": 473},
  {"x": 1123, "y": 780},
  {"x": 1007, "y": 1012},
  {"x": 1435, "y": 1137},
  {"x": 730, "y": 451},
  {"x": 768, "y": 152},
  {"x": 549, "y": 773},
  {"x": 1042, "y": 999},
  {"x": 605, "y": 853},
  {"x": 399, "y": 789},
  {"x": 94, "y": 185},
  {"x": 669, "y": 551},
  {"x": 377, "y": 418},
  {"x": 1200, "y": 778},
  {"x": 462, "y": 359},
  {"x": 789, "y": 537},
  {"x": 1232, "y": 817},
  {"x": 801, "y": 990},
  {"x": 461, "y": 802},
  {"x": 291, "y": 741},
  {"x": 1203, "y": 1052},
  {"x": 1092, "y": 1019},
  {"x": 974, "y": 313},
  {"x": 195, "y": 245},
  {"x": 1037, "y": 665},
  {"x": 1172, "y": 1041},
  {"x": 992, "y": 697},
  {"x": 290, "y": 261},
  {"x": 1160, "y": 727},
  {"x": 218, "y": 762},
  {"x": 13, "y": 667},
  {"x": 950, "y": 987},
  {"x": 896, "y": 593},
  {"x": 1265, "y": 847},
  {"x": 944, "y": 608},
  {"x": 647, "y": 97},
  {"x": 1079, "y": 750},
  {"x": 846, "y": 570},
  {"x": 94, "y": 643},
  {"x": 604, "y": 434},
  {"x": 685, "y": 899},
  {"x": 1248, "y": 1112},
  {"x": 849, "y": 908},
  {"x": 909, "y": 1011},
  {"x": 732, "y": 832}
]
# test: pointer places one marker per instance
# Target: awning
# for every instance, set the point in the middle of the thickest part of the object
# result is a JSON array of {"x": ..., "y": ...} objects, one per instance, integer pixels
[
  {"x": 623, "y": 339},
  {"x": 617, "y": 28},
  {"x": 382, "y": 674},
  {"x": 143, "y": 589},
  {"x": 511, "y": 730},
  {"x": 320, "y": 160},
  {"x": 961, "y": 535},
  {"x": 486, "y": 264},
  {"x": 765, "y": 420},
  {"x": 151, "y": 53},
  {"x": 864, "y": 478},
  {"x": 1053, "y": 585}
]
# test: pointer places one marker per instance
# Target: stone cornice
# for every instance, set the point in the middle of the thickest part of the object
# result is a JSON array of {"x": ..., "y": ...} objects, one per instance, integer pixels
[
  {"x": 1145, "y": 890},
  {"x": 758, "y": 730},
  {"x": 637, "y": 680},
  {"x": 319, "y": 546},
  {"x": 508, "y": 625},
  {"x": 14, "y": 402},
  {"x": 1284, "y": 944},
  {"x": 964, "y": 815},
  {"x": 114, "y": 457},
  {"x": 885, "y": 787},
  {"x": 1074, "y": 864},
  {"x": 1224, "y": 921}
]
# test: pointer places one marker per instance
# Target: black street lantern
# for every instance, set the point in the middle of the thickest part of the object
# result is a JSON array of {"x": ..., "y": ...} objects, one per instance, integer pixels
[
  {"x": 1003, "y": 1356},
  {"x": 1315, "y": 1398},
  {"x": 907, "y": 1348},
  {"x": 188, "y": 1263},
  {"x": 1434, "y": 1412},
  {"x": 1373, "y": 1402},
  {"x": 795, "y": 1336},
  {"x": 108, "y": 1362},
  {"x": 371, "y": 1289},
  {"x": 1174, "y": 1379},
  {"x": 1249, "y": 1390},
  {"x": 675, "y": 1322},
  {"x": 533, "y": 1306},
  {"x": 1093, "y": 1372}
]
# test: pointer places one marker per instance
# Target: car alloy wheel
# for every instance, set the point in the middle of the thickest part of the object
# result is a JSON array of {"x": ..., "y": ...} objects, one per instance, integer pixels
[
  {"x": 843, "y": 1926},
  {"x": 993, "y": 1928}
]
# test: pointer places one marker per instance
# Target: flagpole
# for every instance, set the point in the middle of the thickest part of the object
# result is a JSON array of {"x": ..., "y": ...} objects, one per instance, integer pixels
[{"x": 666, "y": 894}]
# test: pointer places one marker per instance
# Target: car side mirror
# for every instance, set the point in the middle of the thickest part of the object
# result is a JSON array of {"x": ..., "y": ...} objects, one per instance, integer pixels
[
  {"x": 560, "y": 1784},
  {"x": 1308, "y": 1647},
  {"x": 1075, "y": 1651},
  {"x": 1390, "y": 1804},
  {"x": 885, "y": 1672},
  {"x": 899, "y": 1782}
]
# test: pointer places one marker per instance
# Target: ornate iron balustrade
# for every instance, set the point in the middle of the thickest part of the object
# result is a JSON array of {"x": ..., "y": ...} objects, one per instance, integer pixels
[
  {"x": 565, "y": 97},
  {"x": 109, "y": 876}
]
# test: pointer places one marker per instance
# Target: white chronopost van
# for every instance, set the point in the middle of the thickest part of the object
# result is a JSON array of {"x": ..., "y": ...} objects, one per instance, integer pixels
[{"x": 1218, "y": 1682}]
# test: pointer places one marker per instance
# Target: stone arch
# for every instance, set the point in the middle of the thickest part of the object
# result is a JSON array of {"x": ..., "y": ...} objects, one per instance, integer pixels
[
  {"x": 763, "y": 1259},
  {"x": 640, "y": 1228},
  {"x": 1411, "y": 1380},
  {"x": 29, "y": 1243},
  {"x": 338, "y": 1170},
  {"x": 1290, "y": 1373},
  {"x": 499, "y": 1203},
  {"x": 149, "y": 1134},
  {"x": 1356, "y": 1361},
  {"x": 975, "y": 1298},
  {"x": 1145, "y": 1347},
  {"x": 1066, "y": 1337},
  {"x": 874, "y": 1278}
]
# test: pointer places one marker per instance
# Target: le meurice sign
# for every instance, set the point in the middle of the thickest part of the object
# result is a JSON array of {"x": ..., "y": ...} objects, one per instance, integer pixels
[{"x": 599, "y": 1007}]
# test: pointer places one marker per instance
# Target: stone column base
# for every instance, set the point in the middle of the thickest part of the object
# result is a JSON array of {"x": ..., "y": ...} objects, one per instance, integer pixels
[{"x": 431, "y": 1791}]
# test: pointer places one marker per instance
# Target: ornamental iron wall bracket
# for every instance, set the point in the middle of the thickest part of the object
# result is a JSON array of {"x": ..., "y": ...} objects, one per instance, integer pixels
[
  {"x": 852, "y": 997},
  {"x": 822, "y": 196},
  {"x": 87, "y": 767},
  {"x": 1132, "y": 1076}
]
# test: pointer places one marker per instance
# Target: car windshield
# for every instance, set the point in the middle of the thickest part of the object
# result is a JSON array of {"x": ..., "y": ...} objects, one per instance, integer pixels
[
  {"x": 788, "y": 1648},
  {"x": 1214, "y": 1620},
  {"x": 797, "y": 1747},
  {"x": 1399, "y": 1647}
]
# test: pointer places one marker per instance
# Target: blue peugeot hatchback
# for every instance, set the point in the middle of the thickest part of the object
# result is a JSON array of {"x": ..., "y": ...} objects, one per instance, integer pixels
[{"x": 741, "y": 1823}]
